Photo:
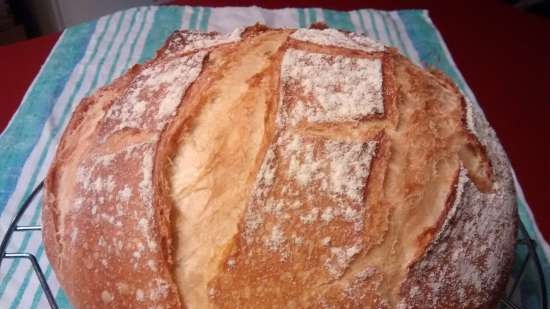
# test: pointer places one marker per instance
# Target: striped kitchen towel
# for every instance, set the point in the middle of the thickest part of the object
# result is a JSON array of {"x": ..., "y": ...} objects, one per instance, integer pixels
[{"x": 92, "y": 54}]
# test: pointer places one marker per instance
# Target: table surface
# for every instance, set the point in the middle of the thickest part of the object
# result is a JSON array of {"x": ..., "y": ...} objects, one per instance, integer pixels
[{"x": 503, "y": 53}]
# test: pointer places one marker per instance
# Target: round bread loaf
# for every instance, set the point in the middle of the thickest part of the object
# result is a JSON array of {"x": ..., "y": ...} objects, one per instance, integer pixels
[{"x": 279, "y": 168}]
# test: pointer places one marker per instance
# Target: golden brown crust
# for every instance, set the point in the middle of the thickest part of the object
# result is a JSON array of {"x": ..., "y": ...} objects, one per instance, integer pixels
[
  {"x": 81, "y": 248},
  {"x": 273, "y": 168},
  {"x": 66, "y": 147}
]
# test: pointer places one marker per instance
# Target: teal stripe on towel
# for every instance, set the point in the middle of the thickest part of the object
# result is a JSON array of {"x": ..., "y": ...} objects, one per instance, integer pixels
[
  {"x": 312, "y": 16},
  {"x": 388, "y": 19},
  {"x": 167, "y": 20},
  {"x": 131, "y": 25},
  {"x": 28, "y": 190},
  {"x": 524, "y": 217},
  {"x": 427, "y": 43},
  {"x": 362, "y": 22},
  {"x": 117, "y": 56},
  {"x": 339, "y": 20},
  {"x": 62, "y": 300},
  {"x": 193, "y": 19},
  {"x": 34, "y": 181},
  {"x": 39, "y": 291},
  {"x": 302, "y": 18},
  {"x": 133, "y": 47},
  {"x": 100, "y": 64},
  {"x": 113, "y": 65},
  {"x": 18, "y": 140},
  {"x": 25, "y": 285},
  {"x": 205, "y": 18},
  {"x": 373, "y": 25}
]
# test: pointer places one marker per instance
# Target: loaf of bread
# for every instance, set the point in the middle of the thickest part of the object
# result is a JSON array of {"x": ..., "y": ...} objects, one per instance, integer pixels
[{"x": 279, "y": 168}]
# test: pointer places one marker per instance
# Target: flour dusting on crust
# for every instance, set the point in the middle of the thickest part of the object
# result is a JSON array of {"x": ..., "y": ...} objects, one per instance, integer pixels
[
  {"x": 187, "y": 41},
  {"x": 333, "y": 212},
  {"x": 333, "y": 37},
  {"x": 471, "y": 255},
  {"x": 154, "y": 95},
  {"x": 335, "y": 88},
  {"x": 319, "y": 182}
]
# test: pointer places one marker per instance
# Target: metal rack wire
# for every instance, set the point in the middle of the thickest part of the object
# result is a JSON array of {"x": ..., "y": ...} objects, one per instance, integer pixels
[{"x": 527, "y": 261}]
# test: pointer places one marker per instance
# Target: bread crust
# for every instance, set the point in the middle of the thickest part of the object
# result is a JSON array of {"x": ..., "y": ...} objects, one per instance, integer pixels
[{"x": 367, "y": 183}]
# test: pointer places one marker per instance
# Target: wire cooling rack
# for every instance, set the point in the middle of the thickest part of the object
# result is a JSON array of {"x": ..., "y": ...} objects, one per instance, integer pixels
[{"x": 526, "y": 288}]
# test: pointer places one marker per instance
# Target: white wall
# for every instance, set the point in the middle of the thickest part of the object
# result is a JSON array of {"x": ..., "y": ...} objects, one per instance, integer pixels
[
  {"x": 55, "y": 15},
  {"x": 72, "y": 12}
]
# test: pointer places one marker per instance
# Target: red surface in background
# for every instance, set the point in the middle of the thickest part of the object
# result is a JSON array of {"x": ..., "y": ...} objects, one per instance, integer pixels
[
  {"x": 19, "y": 64},
  {"x": 503, "y": 53}
]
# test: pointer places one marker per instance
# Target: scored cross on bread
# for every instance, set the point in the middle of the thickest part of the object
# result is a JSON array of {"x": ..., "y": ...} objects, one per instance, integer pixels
[
  {"x": 309, "y": 217},
  {"x": 274, "y": 168}
]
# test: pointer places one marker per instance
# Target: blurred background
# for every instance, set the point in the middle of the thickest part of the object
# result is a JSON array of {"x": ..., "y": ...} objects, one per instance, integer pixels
[{"x": 23, "y": 19}]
